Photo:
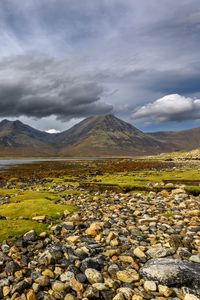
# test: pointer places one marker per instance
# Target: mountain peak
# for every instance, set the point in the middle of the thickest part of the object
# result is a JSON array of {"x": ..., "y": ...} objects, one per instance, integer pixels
[
  {"x": 6, "y": 122},
  {"x": 109, "y": 123},
  {"x": 103, "y": 135}
]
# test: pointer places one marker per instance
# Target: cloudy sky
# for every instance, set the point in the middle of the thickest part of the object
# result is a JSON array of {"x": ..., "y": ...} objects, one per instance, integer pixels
[{"x": 64, "y": 60}]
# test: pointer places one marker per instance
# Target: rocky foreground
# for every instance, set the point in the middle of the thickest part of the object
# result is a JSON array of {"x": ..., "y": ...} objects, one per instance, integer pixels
[{"x": 116, "y": 246}]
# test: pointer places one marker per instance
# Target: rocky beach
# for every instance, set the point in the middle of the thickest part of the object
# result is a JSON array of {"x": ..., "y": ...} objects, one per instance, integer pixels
[{"x": 114, "y": 245}]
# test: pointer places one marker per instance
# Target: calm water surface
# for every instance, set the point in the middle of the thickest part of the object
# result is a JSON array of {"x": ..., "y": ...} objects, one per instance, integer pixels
[{"x": 9, "y": 162}]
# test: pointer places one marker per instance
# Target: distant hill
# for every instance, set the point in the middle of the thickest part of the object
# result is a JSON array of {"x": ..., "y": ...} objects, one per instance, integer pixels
[
  {"x": 106, "y": 135},
  {"x": 17, "y": 138},
  {"x": 94, "y": 136},
  {"x": 179, "y": 140}
]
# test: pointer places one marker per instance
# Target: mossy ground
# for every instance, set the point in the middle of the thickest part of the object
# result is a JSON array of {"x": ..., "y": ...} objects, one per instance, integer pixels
[
  {"x": 33, "y": 190},
  {"x": 139, "y": 180},
  {"x": 27, "y": 204},
  {"x": 10, "y": 229}
]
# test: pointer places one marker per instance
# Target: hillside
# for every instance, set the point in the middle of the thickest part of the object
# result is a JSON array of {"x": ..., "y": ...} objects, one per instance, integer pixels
[
  {"x": 94, "y": 136},
  {"x": 17, "y": 138},
  {"x": 179, "y": 140},
  {"x": 106, "y": 135}
]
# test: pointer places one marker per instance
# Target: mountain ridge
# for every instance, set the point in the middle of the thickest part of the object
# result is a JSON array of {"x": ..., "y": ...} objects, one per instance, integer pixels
[{"x": 95, "y": 136}]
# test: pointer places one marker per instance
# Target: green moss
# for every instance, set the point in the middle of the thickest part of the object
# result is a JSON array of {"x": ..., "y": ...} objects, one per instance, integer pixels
[
  {"x": 139, "y": 180},
  {"x": 30, "y": 208},
  {"x": 22, "y": 196},
  {"x": 5, "y": 192},
  {"x": 10, "y": 229},
  {"x": 194, "y": 190}
]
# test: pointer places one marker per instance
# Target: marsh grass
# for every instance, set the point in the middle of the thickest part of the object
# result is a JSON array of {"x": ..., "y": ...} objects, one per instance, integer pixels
[
  {"x": 10, "y": 229},
  {"x": 27, "y": 204}
]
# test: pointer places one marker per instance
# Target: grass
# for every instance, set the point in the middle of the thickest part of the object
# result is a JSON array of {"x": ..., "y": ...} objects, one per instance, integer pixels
[
  {"x": 72, "y": 180},
  {"x": 139, "y": 180},
  {"x": 30, "y": 203},
  {"x": 194, "y": 190},
  {"x": 9, "y": 229},
  {"x": 39, "y": 198},
  {"x": 27, "y": 204}
]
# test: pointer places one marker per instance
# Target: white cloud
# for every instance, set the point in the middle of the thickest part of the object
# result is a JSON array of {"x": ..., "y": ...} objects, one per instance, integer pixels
[
  {"x": 52, "y": 131},
  {"x": 172, "y": 107}
]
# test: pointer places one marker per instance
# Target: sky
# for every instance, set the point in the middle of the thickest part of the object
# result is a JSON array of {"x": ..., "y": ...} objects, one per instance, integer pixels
[{"x": 64, "y": 60}]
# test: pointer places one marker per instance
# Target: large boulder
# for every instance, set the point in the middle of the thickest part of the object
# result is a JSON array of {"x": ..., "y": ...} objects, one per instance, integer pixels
[{"x": 172, "y": 272}]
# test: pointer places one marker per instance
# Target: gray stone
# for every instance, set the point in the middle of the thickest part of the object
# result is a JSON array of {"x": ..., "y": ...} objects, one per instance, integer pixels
[
  {"x": 91, "y": 293},
  {"x": 160, "y": 252},
  {"x": 126, "y": 292},
  {"x": 30, "y": 236},
  {"x": 172, "y": 272},
  {"x": 195, "y": 258},
  {"x": 93, "y": 276}
]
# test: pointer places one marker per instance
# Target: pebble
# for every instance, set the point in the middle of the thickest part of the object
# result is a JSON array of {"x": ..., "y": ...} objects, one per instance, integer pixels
[
  {"x": 195, "y": 258},
  {"x": 190, "y": 297},
  {"x": 128, "y": 276},
  {"x": 58, "y": 286},
  {"x": 150, "y": 286},
  {"x": 31, "y": 295},
  {"x": 93, "y": 276},
  {"x": 138, "y": 253},
  {"x": 43, "y": 281},
  {"x": 164, "y": 290},
  {"x": 30, "y": 236},
  {"x": 126, "y": 246}
]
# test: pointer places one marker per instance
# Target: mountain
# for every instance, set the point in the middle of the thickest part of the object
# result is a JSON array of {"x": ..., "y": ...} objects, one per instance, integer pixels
[
  {"x": 106, "y": 135},
  {"x": 179, "y": 140},
  {"x": 17, "y": 138},
  {"x": 94, "y": 136}
]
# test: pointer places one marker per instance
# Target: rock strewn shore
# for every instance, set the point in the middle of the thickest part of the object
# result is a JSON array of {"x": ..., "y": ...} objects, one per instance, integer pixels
[{"x": 116, "y": 246}]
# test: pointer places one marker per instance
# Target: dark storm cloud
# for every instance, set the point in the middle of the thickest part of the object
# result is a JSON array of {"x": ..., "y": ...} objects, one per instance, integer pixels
[
  {"x": 40, "y": 88},
  {"x": 182, "y": 81},
  {"x": 125, "y": 53}
]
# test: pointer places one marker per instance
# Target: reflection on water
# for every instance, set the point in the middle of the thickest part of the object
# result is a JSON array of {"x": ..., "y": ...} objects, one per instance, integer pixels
[{"x": 8, "y": 162}]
